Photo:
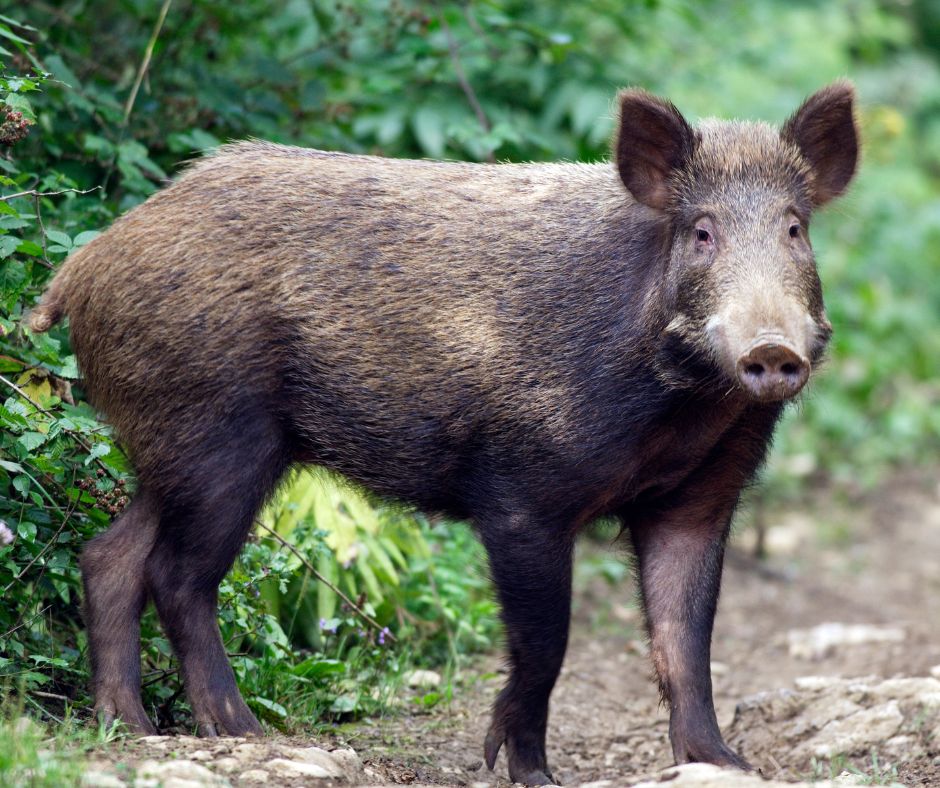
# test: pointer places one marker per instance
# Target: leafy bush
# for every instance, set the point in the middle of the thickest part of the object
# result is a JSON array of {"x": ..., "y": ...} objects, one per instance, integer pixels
[{"x": 112, "y": 96}]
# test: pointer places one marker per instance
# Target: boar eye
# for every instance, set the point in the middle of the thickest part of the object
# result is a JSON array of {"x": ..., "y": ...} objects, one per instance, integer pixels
[
  {"x": 795, "y": 230},
  {"x": 704, "y": 239},
  {"x": 704, "y": 233}
]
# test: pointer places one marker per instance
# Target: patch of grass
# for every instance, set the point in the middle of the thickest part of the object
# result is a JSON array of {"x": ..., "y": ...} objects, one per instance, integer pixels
[
  {"x": 872, "y": 772},
  {"x": 36, "y": 755}
]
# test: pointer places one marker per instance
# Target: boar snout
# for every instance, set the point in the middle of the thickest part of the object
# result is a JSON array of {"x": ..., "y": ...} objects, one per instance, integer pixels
[{"x": 772, "y": 370}]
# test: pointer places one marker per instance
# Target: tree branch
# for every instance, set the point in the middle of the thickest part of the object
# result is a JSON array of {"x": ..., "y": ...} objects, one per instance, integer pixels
[
  {"x": 34, "y": 193},
  {"x": 312, "y": 569},
  {"x": 145, "y": 63},
  {"x": 462, "y": 77}
]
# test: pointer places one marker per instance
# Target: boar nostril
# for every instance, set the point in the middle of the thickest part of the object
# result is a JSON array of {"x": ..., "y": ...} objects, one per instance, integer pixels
[
  {"x": 772, "y": 371},
  {"x": 754, "y": 369}
]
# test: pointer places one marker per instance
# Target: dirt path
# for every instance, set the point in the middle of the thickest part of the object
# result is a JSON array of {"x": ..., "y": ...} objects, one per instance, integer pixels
[{"x": 875, "y": 563}]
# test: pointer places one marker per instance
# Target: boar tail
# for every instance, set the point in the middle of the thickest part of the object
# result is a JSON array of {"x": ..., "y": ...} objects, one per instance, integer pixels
[{"x": 52, "y": 307}]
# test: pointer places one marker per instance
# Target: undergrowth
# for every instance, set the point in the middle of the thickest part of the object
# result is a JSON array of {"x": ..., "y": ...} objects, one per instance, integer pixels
[{"x": 101, "y": 101}]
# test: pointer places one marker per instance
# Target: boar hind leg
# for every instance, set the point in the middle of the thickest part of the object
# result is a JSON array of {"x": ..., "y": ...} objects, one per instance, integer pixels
[
  {"x": 679, "y": 556},
  {"x": 532, "y": 571},
  {"x": 115, "y": 595},
  {"x": 203, "y": 525}
]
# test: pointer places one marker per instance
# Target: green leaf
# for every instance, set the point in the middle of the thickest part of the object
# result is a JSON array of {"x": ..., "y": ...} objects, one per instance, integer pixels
[
  {"x": 21, "y": 104},
  {"x": 21, "y": 484},
  {"x": 5, "y": 32},
  {"x": 346, "y": 703},
  {"x": 16, "y": 23},
  {"x": 273, "y": 709},
  {"x": 314, "y": 668},
  {"x": 86, "y": 237},
  {"x": 30, "y": 248},
  {"x": 58, "y": 237},
  {"x": 32, "y": 440},
  {"x": 8, "y": 245},
  {"x": 27, "y": 531},
  {"x": 97, "y": 451}
]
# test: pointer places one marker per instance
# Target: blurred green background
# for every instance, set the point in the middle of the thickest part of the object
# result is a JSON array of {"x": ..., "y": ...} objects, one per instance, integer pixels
[{"x": 102, "y": 100}]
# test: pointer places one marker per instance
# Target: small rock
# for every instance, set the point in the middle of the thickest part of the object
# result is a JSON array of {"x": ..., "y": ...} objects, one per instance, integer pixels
[
  {"x": 348, "y": 761},
  {"x": 816, "y": 682},
  {"x": 200, "y": 755},
  {"x": 847, "y": 778},
  {"x": 935, "y": 671},
  {"x": 921, "y": 690},
  {"x": 823, "y": 710},
  {"x": 900, "y": 747},
  {"x": 424, "y": 679},
  {"x": 254, "y": 776},
  {"x": 93, "y": 778},
  {"x": 176, "y": 774},
  {"x": 250, "y": 752},
  {"x": 286, "y": 768},
  {"x": 857, "y": 732},
  {"x": 822, "y": 640},
  {"x": 149, "y": 740},
  {"x": 719, "y": 669},
  {"x": 228, "y": 764},
  {"x": 704, "y": 775},
  {"x": 339, "y": 763}
]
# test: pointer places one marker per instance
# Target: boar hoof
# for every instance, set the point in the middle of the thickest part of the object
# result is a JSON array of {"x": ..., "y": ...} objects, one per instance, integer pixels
[
  {"x": 133, "y": 719},
  {"x": 212, "y": 729},
  {"x": 532, "y": 777},
  {"x": 518, "y": 773},
  {"x": 717, "y": 753},
  {"x": 495, "y": 737},
  {"x": 206, "y": 730}
]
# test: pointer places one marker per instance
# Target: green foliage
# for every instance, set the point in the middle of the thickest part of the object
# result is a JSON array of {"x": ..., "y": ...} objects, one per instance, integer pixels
[{"x": 97, "y": 133}]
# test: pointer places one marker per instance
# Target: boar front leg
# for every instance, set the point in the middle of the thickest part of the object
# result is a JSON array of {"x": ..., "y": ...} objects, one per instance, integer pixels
[
  {"x": 531, "y": 566},
  {"x": 679, "y": 557},
  {"x": 679, "y": 541}
]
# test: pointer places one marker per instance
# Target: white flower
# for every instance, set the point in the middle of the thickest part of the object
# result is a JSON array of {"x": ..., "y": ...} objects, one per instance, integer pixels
[{"x": 6, "y": 535}]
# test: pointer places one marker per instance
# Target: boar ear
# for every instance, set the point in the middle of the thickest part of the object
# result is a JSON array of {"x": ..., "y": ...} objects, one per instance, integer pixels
[
  {"x": 652, "y": 142},
  {"x": 825, "y": 132}
]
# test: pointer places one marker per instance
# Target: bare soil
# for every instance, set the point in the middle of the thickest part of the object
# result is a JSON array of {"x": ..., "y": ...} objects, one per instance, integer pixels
[{"x": 873, "y": 560}]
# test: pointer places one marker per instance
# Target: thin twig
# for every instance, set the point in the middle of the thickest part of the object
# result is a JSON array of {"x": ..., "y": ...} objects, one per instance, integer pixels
[
  {"x": 145, "y": 63},
  {"x": 48, "y": 545},
  {"x": 34, "y": 193},
  {"x": 472, "y": 21},
  {"x": 462, "y": 77},
  {"x": 24, "y": 623},
  {"x": 310, "y": 568},
  {"x": 42, "y": 234},
  {"x": 52, "y": 695}
]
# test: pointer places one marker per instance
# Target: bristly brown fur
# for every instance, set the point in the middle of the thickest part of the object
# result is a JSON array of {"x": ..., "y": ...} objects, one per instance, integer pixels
[{"x": 528, "y": 346}]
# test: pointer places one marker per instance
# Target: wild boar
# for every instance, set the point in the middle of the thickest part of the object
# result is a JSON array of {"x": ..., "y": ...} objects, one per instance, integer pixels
[{"x": 527, "y": 346}]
